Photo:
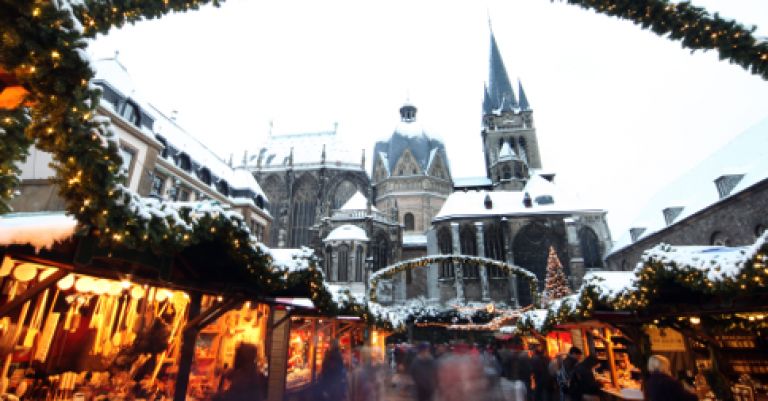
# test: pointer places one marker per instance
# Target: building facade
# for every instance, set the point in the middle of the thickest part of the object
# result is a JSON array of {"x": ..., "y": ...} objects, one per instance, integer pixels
[
  {"x": 720, "y": 202},
  {"x": 160, "y": 159}
]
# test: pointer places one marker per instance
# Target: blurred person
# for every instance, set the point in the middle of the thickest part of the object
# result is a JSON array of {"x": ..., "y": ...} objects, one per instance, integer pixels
[
  {"x": 520, "y": 371},
  {"x": 565, "y": 371},
  {"x": 461, "y": 376},
  {"x": 244, "y": 382},
  {"x": 423, "y": 370},
  {"x": 332, "y": 383},
  {"x": 365, "y": 378},
  {"x": 584, "y": 386},
  {"x": 659, "y": 385},
  {"x": 544, "y": 381}
]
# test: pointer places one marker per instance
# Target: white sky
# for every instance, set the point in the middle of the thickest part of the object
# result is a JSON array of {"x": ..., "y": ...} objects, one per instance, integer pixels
[{"x": 620, "y": 111}]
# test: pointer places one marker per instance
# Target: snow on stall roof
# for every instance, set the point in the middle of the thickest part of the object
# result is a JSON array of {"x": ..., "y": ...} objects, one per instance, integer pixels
[
  {"x": 610, "y": 283},
  {"x": 41, "y": 230},
  {"x": 291, "y": 259},
  {"x": 696, "y": 190},
  {"x": 472, "y": 203},
  {"x": 717, "y": 262},
  {"x": 347, "y": 232}
]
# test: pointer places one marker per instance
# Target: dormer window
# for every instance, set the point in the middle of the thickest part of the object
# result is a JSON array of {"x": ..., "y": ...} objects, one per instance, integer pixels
[
  {"x": 545, "y": 200},
  {"x": 636, "y": 232},
  {"x": 131, "y": 113},
  {"x": 204, "y": 175},
  {"x": 223, "y": 187},
  {"x": 671, "y": 213},
  {"x": 726, "y": 183},
  {"x": 184, "y": 162}
]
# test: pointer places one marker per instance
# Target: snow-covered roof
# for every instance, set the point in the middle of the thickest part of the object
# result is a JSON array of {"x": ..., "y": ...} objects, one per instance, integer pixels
[
  {"x": 291, "y": 259},
  {"x": 41, "y": 230},
  {"x": 717, "y": 262},
  {"x": 546, "y": 197},
  {"x": 414, "y": 240},
  {"x": 116, "y": 75},
  {"x": 610, "y": 283},
  {"x": 307, "y": 151},
  {"x": 696, "y": 190},
  {"x": 358, "y": 201},
  {"x": 472, "y": 181},
  {"x": 347, "y": 232}
]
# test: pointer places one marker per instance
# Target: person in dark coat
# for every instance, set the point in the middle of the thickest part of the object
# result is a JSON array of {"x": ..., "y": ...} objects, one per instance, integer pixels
[
  {"x": 333, "y": 376},
  {"x": 544, "y": 381},
  {"x": 565, "y": 370},
  {"x": 423, "y": 370},
  {"x": 659, "y": 385},
  {"x": 520, "y": 368},
  {"x": 246, "y": 382},
  {"x": 584, "y": 387}
]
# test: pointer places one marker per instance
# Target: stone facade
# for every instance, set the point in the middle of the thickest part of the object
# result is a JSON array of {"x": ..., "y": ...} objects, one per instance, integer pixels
[{"x": 735, "y": 221}]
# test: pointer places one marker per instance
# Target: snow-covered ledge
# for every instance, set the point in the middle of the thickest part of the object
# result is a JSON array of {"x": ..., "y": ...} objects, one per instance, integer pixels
[{"x": 41, "y": 230}]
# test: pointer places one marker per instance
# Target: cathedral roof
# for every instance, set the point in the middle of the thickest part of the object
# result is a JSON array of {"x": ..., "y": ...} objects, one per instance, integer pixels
[
  {"x": 499, "y": 96},
  {"x": 409, "y": 134},
  {"x": 506, "y": 153},
  {"x": 307, "y": 150},
  {"x": 524, "y": 105},
  {"x": 347, "y": 232}
]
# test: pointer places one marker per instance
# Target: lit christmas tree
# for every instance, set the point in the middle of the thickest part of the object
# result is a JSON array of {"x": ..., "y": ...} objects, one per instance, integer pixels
[{"x": 556, "y": 285}]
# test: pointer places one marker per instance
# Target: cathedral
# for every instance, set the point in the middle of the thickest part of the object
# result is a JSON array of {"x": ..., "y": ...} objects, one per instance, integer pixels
[{"x": 411, "y": 205}]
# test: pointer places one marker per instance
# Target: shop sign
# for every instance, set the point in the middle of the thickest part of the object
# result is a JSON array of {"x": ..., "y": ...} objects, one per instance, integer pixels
[{"x": 663, "y": 339}]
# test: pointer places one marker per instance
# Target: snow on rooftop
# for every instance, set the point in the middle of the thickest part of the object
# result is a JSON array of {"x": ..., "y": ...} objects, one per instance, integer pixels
[
  {"x": 291, "y": 259},
  {"x": 358, "y": 201},
  {"x": 506, "y": 152},
  {"x": 414, "y": 240},
  {"x": 610, "y": 283},
  {"x": 307, "y": 149},
  {"x": 347, "y": 232},
  {"x": 115, "y": 73},
  {"x": 718, "y": 263},
  {"x": 472, "y": 203},
  {"x": 471, "y": 181},
  {"x": 696, "y": 190},
  {"x": 41, "y": 230}
]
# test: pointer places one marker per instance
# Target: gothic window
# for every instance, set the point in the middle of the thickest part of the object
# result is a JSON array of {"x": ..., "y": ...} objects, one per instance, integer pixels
[
  {"x": 275, "y": 190},
  {"x": 506, "y": 172},
  {"x": 590, "y": 248},
  {"x": 343, "y": 260},
  {"x": 468, "y": 242},
  {"x": 303, "y": 211},
  {"x": 531, "y": 249},
  {"x": 408, "y": 220},
  {"x": 328, "y": 262},
  {"x": 380, "y": 251},
  {"x": 501, "y": 142},
  {"x": 494, "y": 248},
  {"x": 445, "y": 246},
  {"x": 359, "y": 259},
  {"x": 343, "y": 192},
  {"x": 512, "y": 142}
]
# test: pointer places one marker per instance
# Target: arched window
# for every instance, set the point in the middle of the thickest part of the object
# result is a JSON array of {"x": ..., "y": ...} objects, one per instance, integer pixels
[
  {"x": 445, "y": 245},
  {"x": 303, "y": 211},
  {"x": 223, "y": 187},
  {"x": 131, "y": 113},
  {"x": 204, "y": 175},
  {"x": 719, "y": 239},
  {"x": 408, "y": 220},
  {"x": 343, "y": 192},
  {"x": 328, "y": 262},
  {"x": 531, "y": 249},
  {"x": 184, "y": 162},
  {"x": 468, "y": 242},
  {"x": 506, "y": 172},
  {"x": 359, "y": 260},
  {"x": 343, "y": 271},
  {"x": 590, "y": 248},
  {"x": 494, "y": 248}
]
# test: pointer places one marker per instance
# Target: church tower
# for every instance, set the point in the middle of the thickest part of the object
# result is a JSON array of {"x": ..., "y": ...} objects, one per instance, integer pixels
[{"x": 509, "y": 135}]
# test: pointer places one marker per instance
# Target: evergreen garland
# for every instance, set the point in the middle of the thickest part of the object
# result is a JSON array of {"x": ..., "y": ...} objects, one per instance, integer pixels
[{"x": 691, "y": 25}]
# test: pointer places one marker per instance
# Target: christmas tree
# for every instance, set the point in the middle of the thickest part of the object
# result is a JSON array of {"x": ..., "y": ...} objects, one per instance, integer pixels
[{"x": 556, "y": 285}]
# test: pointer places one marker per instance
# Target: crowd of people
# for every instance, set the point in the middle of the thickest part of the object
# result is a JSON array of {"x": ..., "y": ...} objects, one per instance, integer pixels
[{"x": 458, "y": 372}]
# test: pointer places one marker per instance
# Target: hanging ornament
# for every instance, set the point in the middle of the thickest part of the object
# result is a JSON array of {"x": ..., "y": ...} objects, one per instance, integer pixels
[
  {"x": 67, "y": 282},
  {"x": 25, "y": 272}
]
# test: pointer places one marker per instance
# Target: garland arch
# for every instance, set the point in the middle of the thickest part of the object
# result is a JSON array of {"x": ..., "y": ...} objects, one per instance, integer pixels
[{"x": 425, "y": 261}]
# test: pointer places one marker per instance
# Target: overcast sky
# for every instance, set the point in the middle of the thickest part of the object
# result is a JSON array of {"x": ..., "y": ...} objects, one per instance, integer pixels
[{"x": 620, "y": 111}]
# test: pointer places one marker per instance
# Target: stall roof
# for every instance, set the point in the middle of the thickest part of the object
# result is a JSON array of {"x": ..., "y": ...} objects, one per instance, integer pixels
[{"x": 41, "y": 230}]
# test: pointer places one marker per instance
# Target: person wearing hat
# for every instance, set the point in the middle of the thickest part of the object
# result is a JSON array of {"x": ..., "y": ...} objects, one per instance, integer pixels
[{"x": 424, "y": 373}]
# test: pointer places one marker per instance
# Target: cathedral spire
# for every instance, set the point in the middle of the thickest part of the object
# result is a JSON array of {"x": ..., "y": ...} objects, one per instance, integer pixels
[
  {"x": 500, "y": 93},
  {"x": 523, "y": 99}
]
